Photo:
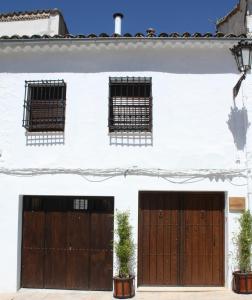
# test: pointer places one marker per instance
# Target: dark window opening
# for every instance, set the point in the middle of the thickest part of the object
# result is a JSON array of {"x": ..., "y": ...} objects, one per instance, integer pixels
[
  {"x": 80, "y": 204},
  {"x": 130, "y": 104},
  {"x": 68, "y": 203},
  {"x": 44, "y": 105}
]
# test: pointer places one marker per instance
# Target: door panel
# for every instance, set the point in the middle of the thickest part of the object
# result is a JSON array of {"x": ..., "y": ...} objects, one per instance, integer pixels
[
  {"x": 101, "y": 255},
  {"x": 181, "y": 238},
  {"x": 203, "y": 239},
  {"x": 78, "y": 250},
  {"x": 33, "y": 249},
  {"x": 55, "y": 250},
  {"x": 158, "y": 258}
]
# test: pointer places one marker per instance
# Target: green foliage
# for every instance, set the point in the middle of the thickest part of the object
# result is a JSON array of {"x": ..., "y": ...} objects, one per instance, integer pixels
[
  {"x": 244, "y": 242},
  {"x": 124, "y": 246}
]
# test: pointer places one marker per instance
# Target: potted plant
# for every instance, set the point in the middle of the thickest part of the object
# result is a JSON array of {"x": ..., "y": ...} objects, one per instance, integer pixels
[
  {"x": 242, "y": 279},
  {"x": 124, "y": 282}
]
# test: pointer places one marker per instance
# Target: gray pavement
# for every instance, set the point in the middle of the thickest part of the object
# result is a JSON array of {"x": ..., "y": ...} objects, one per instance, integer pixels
[{"x": 81, "y": 295}]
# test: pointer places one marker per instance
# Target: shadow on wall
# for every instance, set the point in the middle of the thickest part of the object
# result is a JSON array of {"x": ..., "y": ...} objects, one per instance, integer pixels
[
  {"x": 238, "y": 124},
  {"x": 134, "y": 139},
  {"x": 85, "y": 60},
  {"x": 44, "y": 138}
]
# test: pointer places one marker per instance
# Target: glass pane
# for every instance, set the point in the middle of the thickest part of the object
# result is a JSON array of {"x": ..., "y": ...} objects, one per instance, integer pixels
[{"x": 245, "y": 57}]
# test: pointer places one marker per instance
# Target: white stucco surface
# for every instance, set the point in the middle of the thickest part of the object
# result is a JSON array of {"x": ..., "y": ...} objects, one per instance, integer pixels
[
  {"x": 192, "y": 98},
  {"x": 41, "y": 26}
]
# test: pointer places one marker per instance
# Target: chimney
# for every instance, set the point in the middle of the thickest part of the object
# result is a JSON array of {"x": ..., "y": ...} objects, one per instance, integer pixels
[
  {"x": 118, "y": 23},
  {"x": 150, "y": 32}
]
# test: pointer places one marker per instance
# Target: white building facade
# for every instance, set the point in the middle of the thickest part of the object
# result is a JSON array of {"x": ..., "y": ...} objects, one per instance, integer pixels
[{"x": 145, "y": 124}]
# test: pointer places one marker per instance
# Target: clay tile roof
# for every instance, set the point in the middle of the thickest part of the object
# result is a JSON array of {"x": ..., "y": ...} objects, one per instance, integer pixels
[
  {"x": 28, "y": 15},
  {"x": 127, "y": 35},
  {"x": 139, "y": 35},
  {"x": 163, "y": 34}
]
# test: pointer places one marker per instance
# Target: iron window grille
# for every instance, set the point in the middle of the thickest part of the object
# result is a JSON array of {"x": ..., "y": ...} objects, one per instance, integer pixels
[
  {"x": 44, "y": 105},
  {"x": 130, "y": 104}
]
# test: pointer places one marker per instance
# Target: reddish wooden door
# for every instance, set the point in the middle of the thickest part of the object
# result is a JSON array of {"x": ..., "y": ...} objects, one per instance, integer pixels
[
  {"x": 202, "y": 248},
  {"x": 158, "y": 239},
  {"x": 67, "y": 243},
  {"x": 181, "y": 239}
]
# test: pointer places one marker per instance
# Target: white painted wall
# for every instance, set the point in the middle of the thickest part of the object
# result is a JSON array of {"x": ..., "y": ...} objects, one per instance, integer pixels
[
  {"x": 192, "y": 96},
  {"x": 48, "y": 26}
]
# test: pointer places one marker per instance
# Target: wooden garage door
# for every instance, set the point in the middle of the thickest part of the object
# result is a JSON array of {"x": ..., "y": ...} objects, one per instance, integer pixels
[
  {"x": 181, "y": 238},
  {"x": 67, "y": 243}
]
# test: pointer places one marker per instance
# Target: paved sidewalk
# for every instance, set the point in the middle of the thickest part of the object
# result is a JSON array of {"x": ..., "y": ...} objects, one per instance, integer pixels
[{"x": 81, "y": 295}]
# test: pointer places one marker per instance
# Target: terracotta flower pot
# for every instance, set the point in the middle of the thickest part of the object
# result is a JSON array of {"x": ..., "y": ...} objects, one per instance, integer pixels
[
  {"x": 124, "y": 287},
  {"x": 242, "y": 282}
]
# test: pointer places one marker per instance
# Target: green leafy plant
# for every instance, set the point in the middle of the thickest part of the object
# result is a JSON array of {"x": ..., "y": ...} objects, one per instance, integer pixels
[
  {"x": 124, "y": 245},
  {"x": 244, "y": 242}
]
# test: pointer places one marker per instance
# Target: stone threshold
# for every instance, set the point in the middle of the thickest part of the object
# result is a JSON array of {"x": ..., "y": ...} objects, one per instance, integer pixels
[{"x": 181, "y": 289}]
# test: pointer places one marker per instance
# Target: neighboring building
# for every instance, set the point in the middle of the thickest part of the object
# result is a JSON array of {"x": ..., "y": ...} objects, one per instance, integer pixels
[
  {"x": 91, "y": 124},
  {"x": 37, "y": 22}
]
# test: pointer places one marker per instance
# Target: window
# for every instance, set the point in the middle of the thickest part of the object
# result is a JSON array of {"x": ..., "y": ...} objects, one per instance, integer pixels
[
  {"x": 130, "y": 104},
  {"x": 44, "y": 105},
  {"x": 80, "y": 204}
]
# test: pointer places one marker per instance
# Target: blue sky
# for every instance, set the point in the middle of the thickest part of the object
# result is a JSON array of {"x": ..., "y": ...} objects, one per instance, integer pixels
[{"x": 95, "y": 16}]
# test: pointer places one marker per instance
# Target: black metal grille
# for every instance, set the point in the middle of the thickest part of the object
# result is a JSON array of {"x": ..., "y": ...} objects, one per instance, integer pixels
[
  {"x": 130, "y": 104},
  {"x": 44, "y": 105}
]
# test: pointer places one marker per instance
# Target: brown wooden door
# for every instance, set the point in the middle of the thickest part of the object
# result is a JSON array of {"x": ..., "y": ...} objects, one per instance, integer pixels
[
  {"x": 158, "y": 239},
  {"x": 67, "y": 246},
  {"x": 203, "y": 239},
  {"x": 181, "y": 239}
]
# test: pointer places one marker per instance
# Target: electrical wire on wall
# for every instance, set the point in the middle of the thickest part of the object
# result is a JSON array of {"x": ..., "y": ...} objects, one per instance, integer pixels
[{"x": 172, "y": 176}]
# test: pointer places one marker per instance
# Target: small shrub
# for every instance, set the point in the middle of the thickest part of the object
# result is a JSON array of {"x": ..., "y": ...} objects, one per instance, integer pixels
[
  {"x": 244, "y": 242},
  {"x": 124, "y": 246}
]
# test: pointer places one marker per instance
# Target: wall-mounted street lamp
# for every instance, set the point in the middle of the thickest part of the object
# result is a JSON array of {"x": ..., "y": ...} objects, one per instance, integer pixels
[{"x": 243, "y": 54}]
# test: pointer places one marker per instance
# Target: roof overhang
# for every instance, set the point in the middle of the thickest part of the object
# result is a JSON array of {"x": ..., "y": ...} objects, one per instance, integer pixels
[{"x": 115, "y": 43}]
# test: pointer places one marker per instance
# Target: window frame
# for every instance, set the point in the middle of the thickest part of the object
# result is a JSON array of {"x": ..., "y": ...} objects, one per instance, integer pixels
[
  {"x": 134, "y": 112},
  {"x": 48, "y": 113}
]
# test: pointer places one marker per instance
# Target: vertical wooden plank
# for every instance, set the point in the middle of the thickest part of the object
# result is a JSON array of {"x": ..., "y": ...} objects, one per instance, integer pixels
[
  {"x": 186, "y": 235},
  {"x": 160, "y": 238},
  {"x": 56, "y": 250},
  {"x": 209, "y": 243},
  {"x": 153, "y": 239},
  {"x": 218, "y": 240},
  {"x": 145, "y": 237},
  {"x": 139, "y": 244},
  {"x": 33, "y": 249},
  {"x": 172, "y": 205},
  {"x": 101, "y": 254},
  {"x": 77, "y": 273},
  {"x": 168, "y": 228}
]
